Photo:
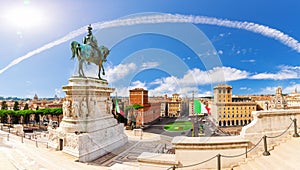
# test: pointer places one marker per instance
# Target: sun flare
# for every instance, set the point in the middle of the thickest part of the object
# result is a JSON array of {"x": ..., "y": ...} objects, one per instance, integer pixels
[{"x": 25, "y": 17}]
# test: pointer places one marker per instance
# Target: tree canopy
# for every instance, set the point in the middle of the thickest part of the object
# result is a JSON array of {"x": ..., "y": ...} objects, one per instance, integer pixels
[
  {"x": 3, "y": 105},
  {"x": 16, "y": 106},
  {"x": 134, "y": 106}
]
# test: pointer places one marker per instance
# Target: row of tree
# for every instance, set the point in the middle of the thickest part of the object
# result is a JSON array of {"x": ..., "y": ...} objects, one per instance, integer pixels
[
  {"x": 16, "y": 106},
  {"x": 15, "y": 115}
]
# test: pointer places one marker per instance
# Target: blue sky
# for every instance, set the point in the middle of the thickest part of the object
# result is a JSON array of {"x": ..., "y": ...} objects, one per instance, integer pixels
[{"x": 251, "y": 45}]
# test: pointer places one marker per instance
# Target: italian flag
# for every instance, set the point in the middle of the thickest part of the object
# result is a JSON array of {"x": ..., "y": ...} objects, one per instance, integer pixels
[
  {"x": 118, "y": 110},
  {"x": 200, "y": 108}
]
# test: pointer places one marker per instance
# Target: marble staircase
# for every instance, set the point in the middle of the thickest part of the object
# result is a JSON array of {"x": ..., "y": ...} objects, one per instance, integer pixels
[{"x": 283, "y": 156}]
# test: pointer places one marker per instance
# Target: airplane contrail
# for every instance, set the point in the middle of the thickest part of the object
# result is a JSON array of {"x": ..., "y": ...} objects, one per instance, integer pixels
[{"x": 169, "y": 18}]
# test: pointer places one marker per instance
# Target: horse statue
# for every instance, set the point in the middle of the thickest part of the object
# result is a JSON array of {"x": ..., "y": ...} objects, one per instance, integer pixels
[{"x": 85, "y": 52}]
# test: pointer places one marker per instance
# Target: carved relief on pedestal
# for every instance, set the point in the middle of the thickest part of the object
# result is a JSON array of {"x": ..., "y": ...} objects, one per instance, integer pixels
[
  {"x": 108, "y": 106},
  {"x": 91, "y": 108},
  {"x": 84, "y": 112},
  {"x": 75, "y": 109},
  {"x": 72, "y": 142},
  {"x": 67, "y": 109}
]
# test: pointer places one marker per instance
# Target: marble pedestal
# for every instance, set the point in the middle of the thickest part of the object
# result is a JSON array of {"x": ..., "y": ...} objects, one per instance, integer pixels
[{"x": 88, "y": 130}]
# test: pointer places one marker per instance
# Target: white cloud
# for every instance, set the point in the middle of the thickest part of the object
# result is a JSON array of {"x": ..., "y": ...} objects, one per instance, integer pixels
[
  {"x": 285, "y": 90},
  {"x": 286, "y": 72},
  {"x": 124, "y": 91},
  {"x": 193, "y": 78},
  {"x": 149, "y": 65},
  {"x": 267, "y": 90},
  {"x": 138, "y": 84},
  {"x": 245, "y": 88},
  {"x": 167, "y": 84},
  {"x": 205, "y": 94},
  {"x": 290, "y": 89},
  {"x": 277, "y": 76},
  {"x": 248, "y": 61},
  {"x": 120, "y": 71},
  {"x": 221, "y": 74},
  {"x": 167, "y": 18}
]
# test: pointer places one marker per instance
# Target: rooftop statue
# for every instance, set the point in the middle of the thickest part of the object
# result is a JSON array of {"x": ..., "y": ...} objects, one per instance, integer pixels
[{"x": 89, "y": 52}]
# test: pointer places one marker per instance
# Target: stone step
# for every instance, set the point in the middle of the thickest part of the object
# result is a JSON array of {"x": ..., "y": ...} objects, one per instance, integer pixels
[
  {"x": 283, "y": 156},
  {"x": 118, "y": 166},
  {"x": 245, "y": 166},
  {"x": 289, "y": 156},
  {"x": 281, "y": 162}
]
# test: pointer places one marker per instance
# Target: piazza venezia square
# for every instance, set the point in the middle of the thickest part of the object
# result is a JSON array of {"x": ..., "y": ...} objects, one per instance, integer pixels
[{"x": 137, "y": 90}]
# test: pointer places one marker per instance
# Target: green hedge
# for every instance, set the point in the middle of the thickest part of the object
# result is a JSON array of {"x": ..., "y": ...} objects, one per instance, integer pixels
[
  {"x": 15, "y": 115},
  {"x": 52, "y": 111}
]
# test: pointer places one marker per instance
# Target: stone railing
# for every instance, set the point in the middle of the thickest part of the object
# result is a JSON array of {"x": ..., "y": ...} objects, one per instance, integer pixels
[
  {"x": 270, "y": 123},
  {"x": 206, "y": 152}
]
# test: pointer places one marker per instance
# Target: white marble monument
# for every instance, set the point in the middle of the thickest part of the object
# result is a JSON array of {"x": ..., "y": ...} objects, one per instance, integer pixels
[{"x": 88, "y": 129}]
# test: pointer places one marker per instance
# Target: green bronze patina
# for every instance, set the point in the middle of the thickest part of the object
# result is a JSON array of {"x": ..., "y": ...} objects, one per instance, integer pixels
[{"x": 89, "y": 52}]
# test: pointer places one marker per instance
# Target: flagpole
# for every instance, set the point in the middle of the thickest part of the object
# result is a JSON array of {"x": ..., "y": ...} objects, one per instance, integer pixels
[
  {"x": 193, "y": 117},
  {"x": 116, "y": 103}
]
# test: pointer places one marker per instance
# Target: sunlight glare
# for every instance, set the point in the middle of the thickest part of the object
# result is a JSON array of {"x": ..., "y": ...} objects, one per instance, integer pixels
[{"x": 25, "y": 17}]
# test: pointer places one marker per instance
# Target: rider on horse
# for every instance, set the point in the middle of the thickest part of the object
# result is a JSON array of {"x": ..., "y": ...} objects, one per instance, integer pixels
[
  {"x": 89, "y": 52},
  {"x": 91, "y": 40}
]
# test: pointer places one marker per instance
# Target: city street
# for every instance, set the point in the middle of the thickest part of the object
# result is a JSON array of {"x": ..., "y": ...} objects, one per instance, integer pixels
[{"x": 158, "y": 128}]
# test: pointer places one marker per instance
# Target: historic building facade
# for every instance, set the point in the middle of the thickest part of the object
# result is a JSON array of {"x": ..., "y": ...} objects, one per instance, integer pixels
[
  {"x": 278, "y": 101},
  {"x": 174, "y": 106},
  {"x": 229, "y": 111},
  {"x": 139, "y": 96},
  {"x": 149, "y": 112}
]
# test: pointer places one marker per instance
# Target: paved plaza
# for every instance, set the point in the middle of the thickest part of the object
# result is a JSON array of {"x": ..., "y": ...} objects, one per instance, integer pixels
[{"x": 29, "y": 154}]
